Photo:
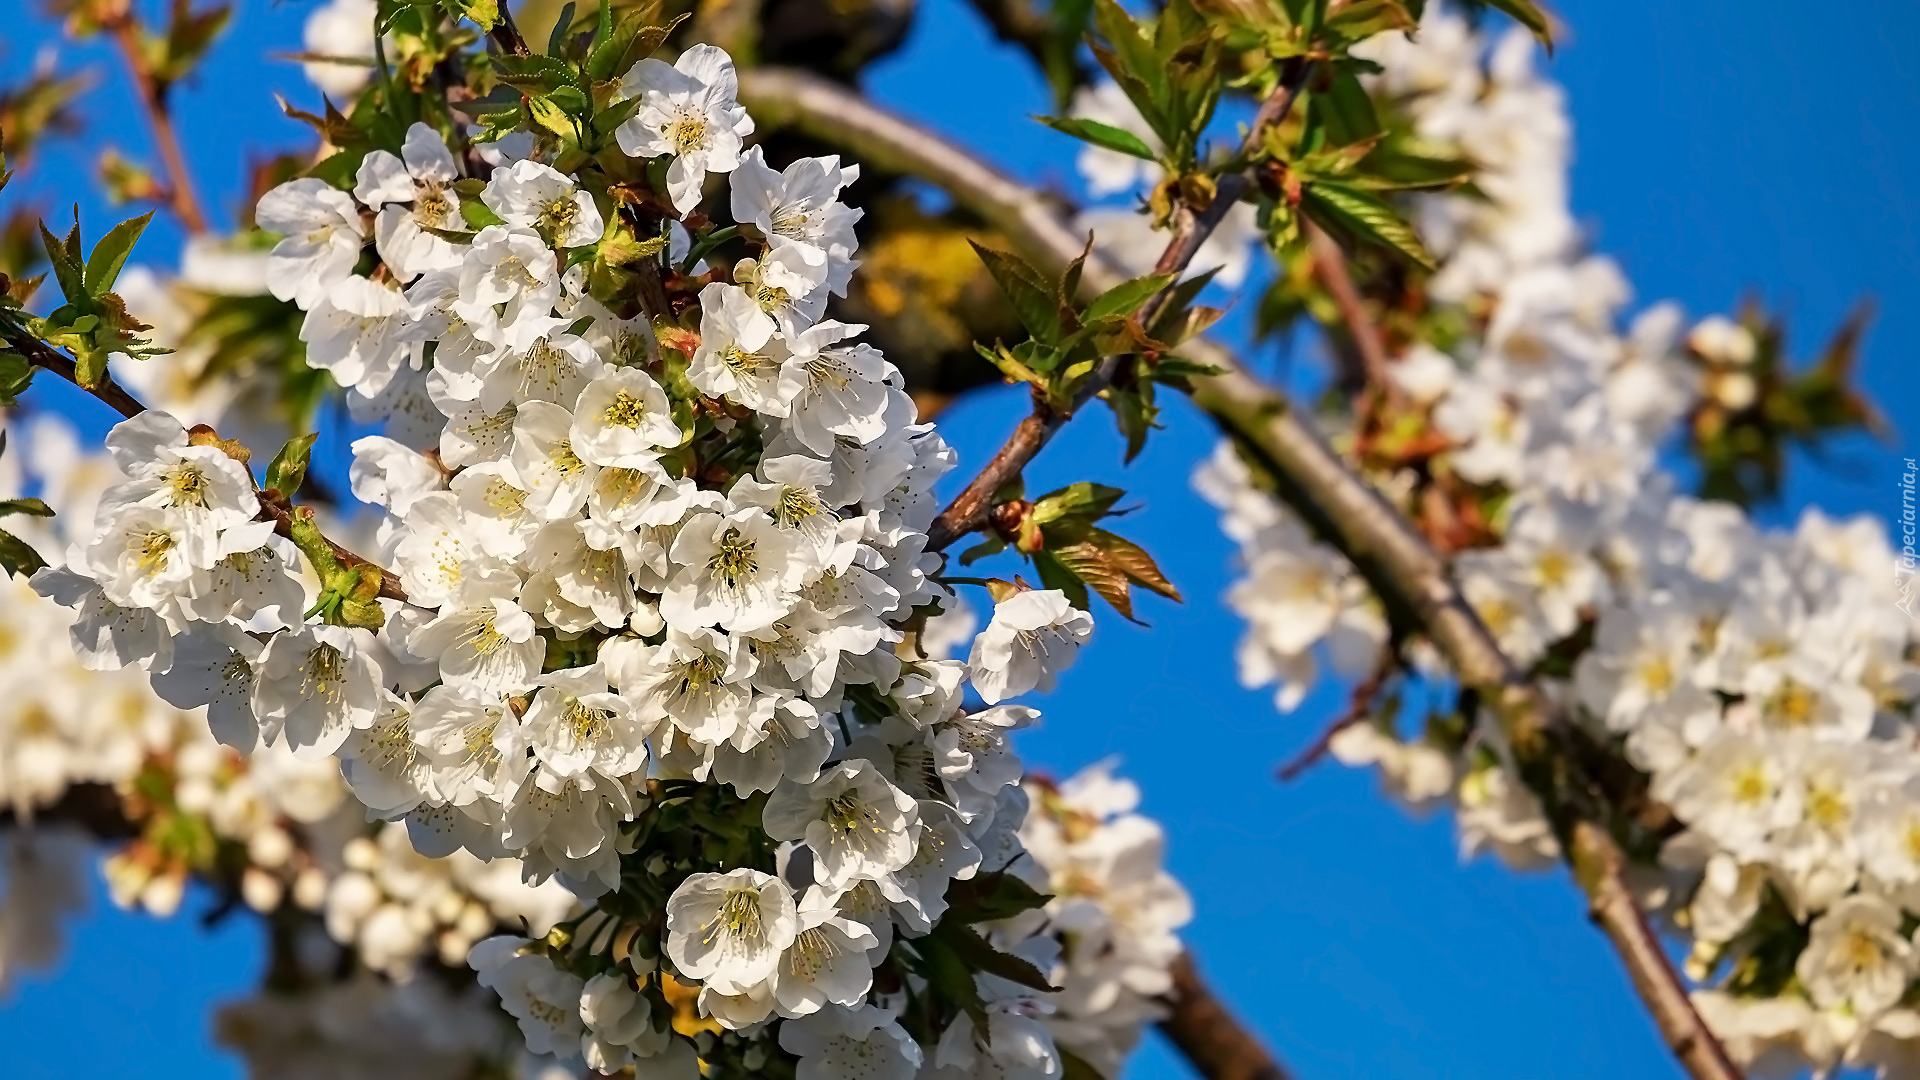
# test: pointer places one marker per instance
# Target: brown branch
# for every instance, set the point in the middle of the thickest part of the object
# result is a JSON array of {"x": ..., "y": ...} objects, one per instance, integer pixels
[
  {"x": 96, "y": 808},
  {"x": 390, "y": 587},
  {"x": 42, "y": 355},
  {"x": 1383, "y": 545},
  {"x": 1330, "y": 266},
  {"x": 1359, "y": 708},
  {"x": 153, "y": 99},
  {"x": 1208, "y": 1035},
  {"x": 969, "y": 510},
  {"x": 507, "y": 35}
]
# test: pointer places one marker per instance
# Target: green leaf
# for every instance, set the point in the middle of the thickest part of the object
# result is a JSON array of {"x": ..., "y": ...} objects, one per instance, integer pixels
[
  {"x": 1126, "y": 297},
  {"x": 1529, "y": 15},
  {"x": 1085, "y": 500},
  {"x": 479, "y": 214},
  {"x": 1110, "y": 565},
  {"x": 548, "y": 114},
  {"x": 1345, "y": 109},
  {"x": 110, "y": 254},
  {"x": 288, "y": 469},
  {"x": 1135, "y": 414},
  {"x": 29, "y": 507},
  {"x": 1363, "y": 216},
  {"x": 1032, "y": 298},
  {"x": 1134, "y": 561},
  {"x": 484, "y": 13},
  {"x": 557, "y": 39},
  {"x": 17, "y": 557},
  {"x": 1055, "y": 574},
  {"x": 981, "y": 957},
  {"x": 990, "y": 896},
  {"x": 1105, "y": 136},
  {"x": 991, "y": 546},
  {"x": 67, "y": 269},
  {"x": 1009, "y": 364},
  {"x": 15, "y": 375}
]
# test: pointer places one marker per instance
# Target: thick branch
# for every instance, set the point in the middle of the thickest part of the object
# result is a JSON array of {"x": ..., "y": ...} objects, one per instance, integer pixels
[
  {"x": 1207, "y": 1033},
  {"x": 1383, "y": 545},
  {"x": 153, "y": 99}
]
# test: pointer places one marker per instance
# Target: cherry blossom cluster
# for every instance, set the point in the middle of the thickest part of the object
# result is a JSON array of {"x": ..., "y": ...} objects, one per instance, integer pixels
[
  {"x": 659, "y": 570},
  {"x": 1114, "y": 907},
  {"x": 1760, "y": 678},
  {"x": 67, "y": 724}
]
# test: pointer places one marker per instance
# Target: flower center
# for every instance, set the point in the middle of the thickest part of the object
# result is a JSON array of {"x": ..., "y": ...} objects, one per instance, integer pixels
[
  {"x": 559, "y": 215},
  {"x": 687, "y": 131},
  {"x": 734, "y": 560},
  {"x": 739, "y": 917},
  {"x": 155, "y": 546},
  {"x": 812, "y": 952},
  {"x": 626, "y": 411},
  {"x": 188, "y": 484}
]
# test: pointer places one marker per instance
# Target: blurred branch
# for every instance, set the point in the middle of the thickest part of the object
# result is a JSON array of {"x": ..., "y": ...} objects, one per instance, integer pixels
[
  {"x": 1208, "y": 1035},
  {"x": 1330, "y": 266},
  {"x": 1344, "y": 508},
  {"x": 96, "y": 808},
  {"x": 125, "y": 28},
  {"x": 506, "y": 33}
]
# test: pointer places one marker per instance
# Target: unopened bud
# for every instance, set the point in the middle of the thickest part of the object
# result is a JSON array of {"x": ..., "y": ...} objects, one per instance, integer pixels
[{"x": 261, "y": 890}]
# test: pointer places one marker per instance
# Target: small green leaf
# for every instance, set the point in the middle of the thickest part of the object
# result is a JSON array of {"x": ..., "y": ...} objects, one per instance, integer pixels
[
  {"x": 67, "y": 269},
  {"x": 981, "y": 957},
  {"x": 1363, "y": 216},
  {"x": 548, "y": 114},
  {"x": 1105, "y": 136},
  {"x": 1085, "y": 499},
  {"x": 1125, "y": 298},
  {"x": 288, "y": 469},
  {"x": 484, "y": 13},
  {"x": 110, "y": 254},
  {"x": 29, "y": 507},
  {"x": 1032, "y": 297},
  {"x": 15, "y": 375},
  {"x": 479, "y": 214},
  {"x": 17, "y": 557},
  {"x": 1529, "y": 15},
  {"x": 557, "y": 39},
  {"x": 990, "y": 896},
  {"x": 1055, "y": 574}
]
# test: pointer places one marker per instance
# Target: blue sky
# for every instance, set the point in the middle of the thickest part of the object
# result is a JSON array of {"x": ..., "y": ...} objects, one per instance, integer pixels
[{"x": 1724, "y": 149}]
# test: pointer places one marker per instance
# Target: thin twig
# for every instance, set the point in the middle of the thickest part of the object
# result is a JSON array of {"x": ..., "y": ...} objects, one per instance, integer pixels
[
  {"x": 1388, "y": 551},
  {"x": 1330, "y": 266},
  {"x": 42, "y": 355},
  {"x": 390, "y": 587},
  {"x": 970, "y": 509},
  {"x": 39, "y": 354},
  {"x": 153, "y": 99},
  {"x": 1359, "y": 708}
]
